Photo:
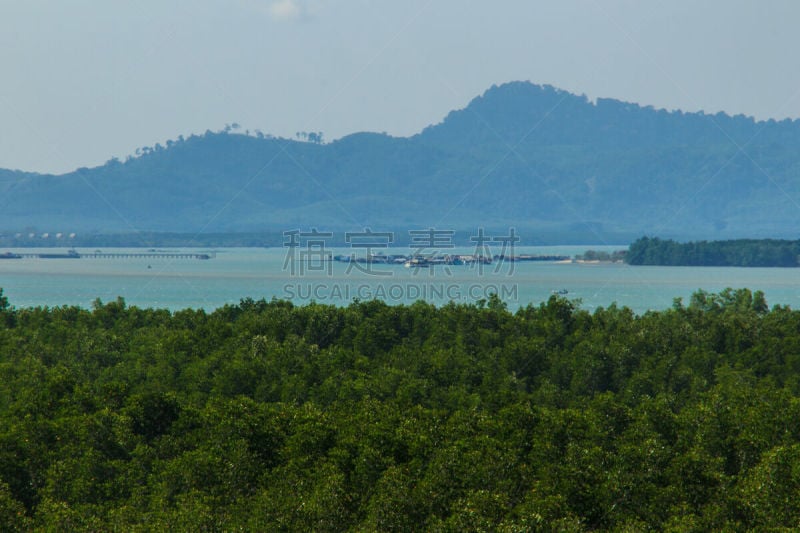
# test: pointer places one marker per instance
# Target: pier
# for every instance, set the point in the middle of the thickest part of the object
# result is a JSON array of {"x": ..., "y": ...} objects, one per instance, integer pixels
[
  {"x": 119, "y": 255},
  {"x": 149, "y": 255}
]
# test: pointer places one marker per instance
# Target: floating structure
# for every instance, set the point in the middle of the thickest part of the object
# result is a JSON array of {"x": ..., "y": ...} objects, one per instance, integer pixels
[
  {"x": 396, "y": 259},
  {"x": 528, "y": 257},
  {"x": 418, "y": 260}
]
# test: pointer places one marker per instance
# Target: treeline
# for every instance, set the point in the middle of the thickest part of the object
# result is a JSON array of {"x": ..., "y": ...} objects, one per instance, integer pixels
[
  {"x": 740, "y": 252},
  {"x": 265, "y": 416},
  {"x": 601, "y": 255}
]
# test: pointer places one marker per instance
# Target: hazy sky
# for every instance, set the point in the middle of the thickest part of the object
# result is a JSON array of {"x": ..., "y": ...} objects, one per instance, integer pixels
[{"x": 82, "y": 81}]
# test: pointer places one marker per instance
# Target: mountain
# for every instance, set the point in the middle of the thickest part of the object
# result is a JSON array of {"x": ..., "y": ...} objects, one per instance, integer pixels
[{"x": 550, "y": 163}]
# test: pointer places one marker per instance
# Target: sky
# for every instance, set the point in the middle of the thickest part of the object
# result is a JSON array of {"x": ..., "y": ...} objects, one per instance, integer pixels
[{"x": 84, "y": 81}]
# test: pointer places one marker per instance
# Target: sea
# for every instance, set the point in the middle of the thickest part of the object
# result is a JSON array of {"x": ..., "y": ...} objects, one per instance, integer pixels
[{"x": 303, "y": 276}]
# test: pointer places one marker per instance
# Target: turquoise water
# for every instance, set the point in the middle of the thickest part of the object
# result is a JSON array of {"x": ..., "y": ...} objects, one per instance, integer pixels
[{"x": 236, "y": 273}]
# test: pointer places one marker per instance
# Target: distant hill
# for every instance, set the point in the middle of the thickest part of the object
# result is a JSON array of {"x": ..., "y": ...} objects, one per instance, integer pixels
[{"x": 551, "y": 163}]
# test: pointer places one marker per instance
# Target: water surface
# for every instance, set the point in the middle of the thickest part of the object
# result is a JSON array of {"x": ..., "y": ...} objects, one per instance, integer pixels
[{"x": 236, "y": 273}]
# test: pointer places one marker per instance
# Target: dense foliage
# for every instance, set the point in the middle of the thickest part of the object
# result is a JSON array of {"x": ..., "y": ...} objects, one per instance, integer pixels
[
  {"x": 741, "y": 252},
  {"x": 552, "y": 164},
  {"x": 601, "y": 255},
  {"x": 269, "y": 417}
]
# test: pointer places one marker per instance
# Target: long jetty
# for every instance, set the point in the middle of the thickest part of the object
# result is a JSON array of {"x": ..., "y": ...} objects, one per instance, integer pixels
[{"x": 121, "y": 255}]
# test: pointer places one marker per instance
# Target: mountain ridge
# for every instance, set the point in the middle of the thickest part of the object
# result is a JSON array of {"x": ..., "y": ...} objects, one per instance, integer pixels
[{"x": 523, "y": 155}]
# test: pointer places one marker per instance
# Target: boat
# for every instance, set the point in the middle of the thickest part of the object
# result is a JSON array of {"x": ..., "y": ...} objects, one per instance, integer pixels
[
  {"x": 417, "y": 262},
  {"x": 560, "y": 292},
  {"x": 71, "y": 254},
  {"x": 9, "y": 255}
]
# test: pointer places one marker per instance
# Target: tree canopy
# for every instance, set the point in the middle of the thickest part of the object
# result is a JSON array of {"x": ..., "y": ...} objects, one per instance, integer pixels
[
  {"x": 740, "y": 252},
  {"x": 266, "y": 416}
]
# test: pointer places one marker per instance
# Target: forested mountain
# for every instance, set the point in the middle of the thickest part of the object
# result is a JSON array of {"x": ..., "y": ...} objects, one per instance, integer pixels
[{"x": 541, "y": 159}]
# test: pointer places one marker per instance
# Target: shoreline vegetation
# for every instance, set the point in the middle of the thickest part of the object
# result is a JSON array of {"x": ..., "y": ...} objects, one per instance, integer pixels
[
  {"x": 266, "y": 416},
  {"x": 738, "y": 253},
  {"x": 594, "y": 256}
]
